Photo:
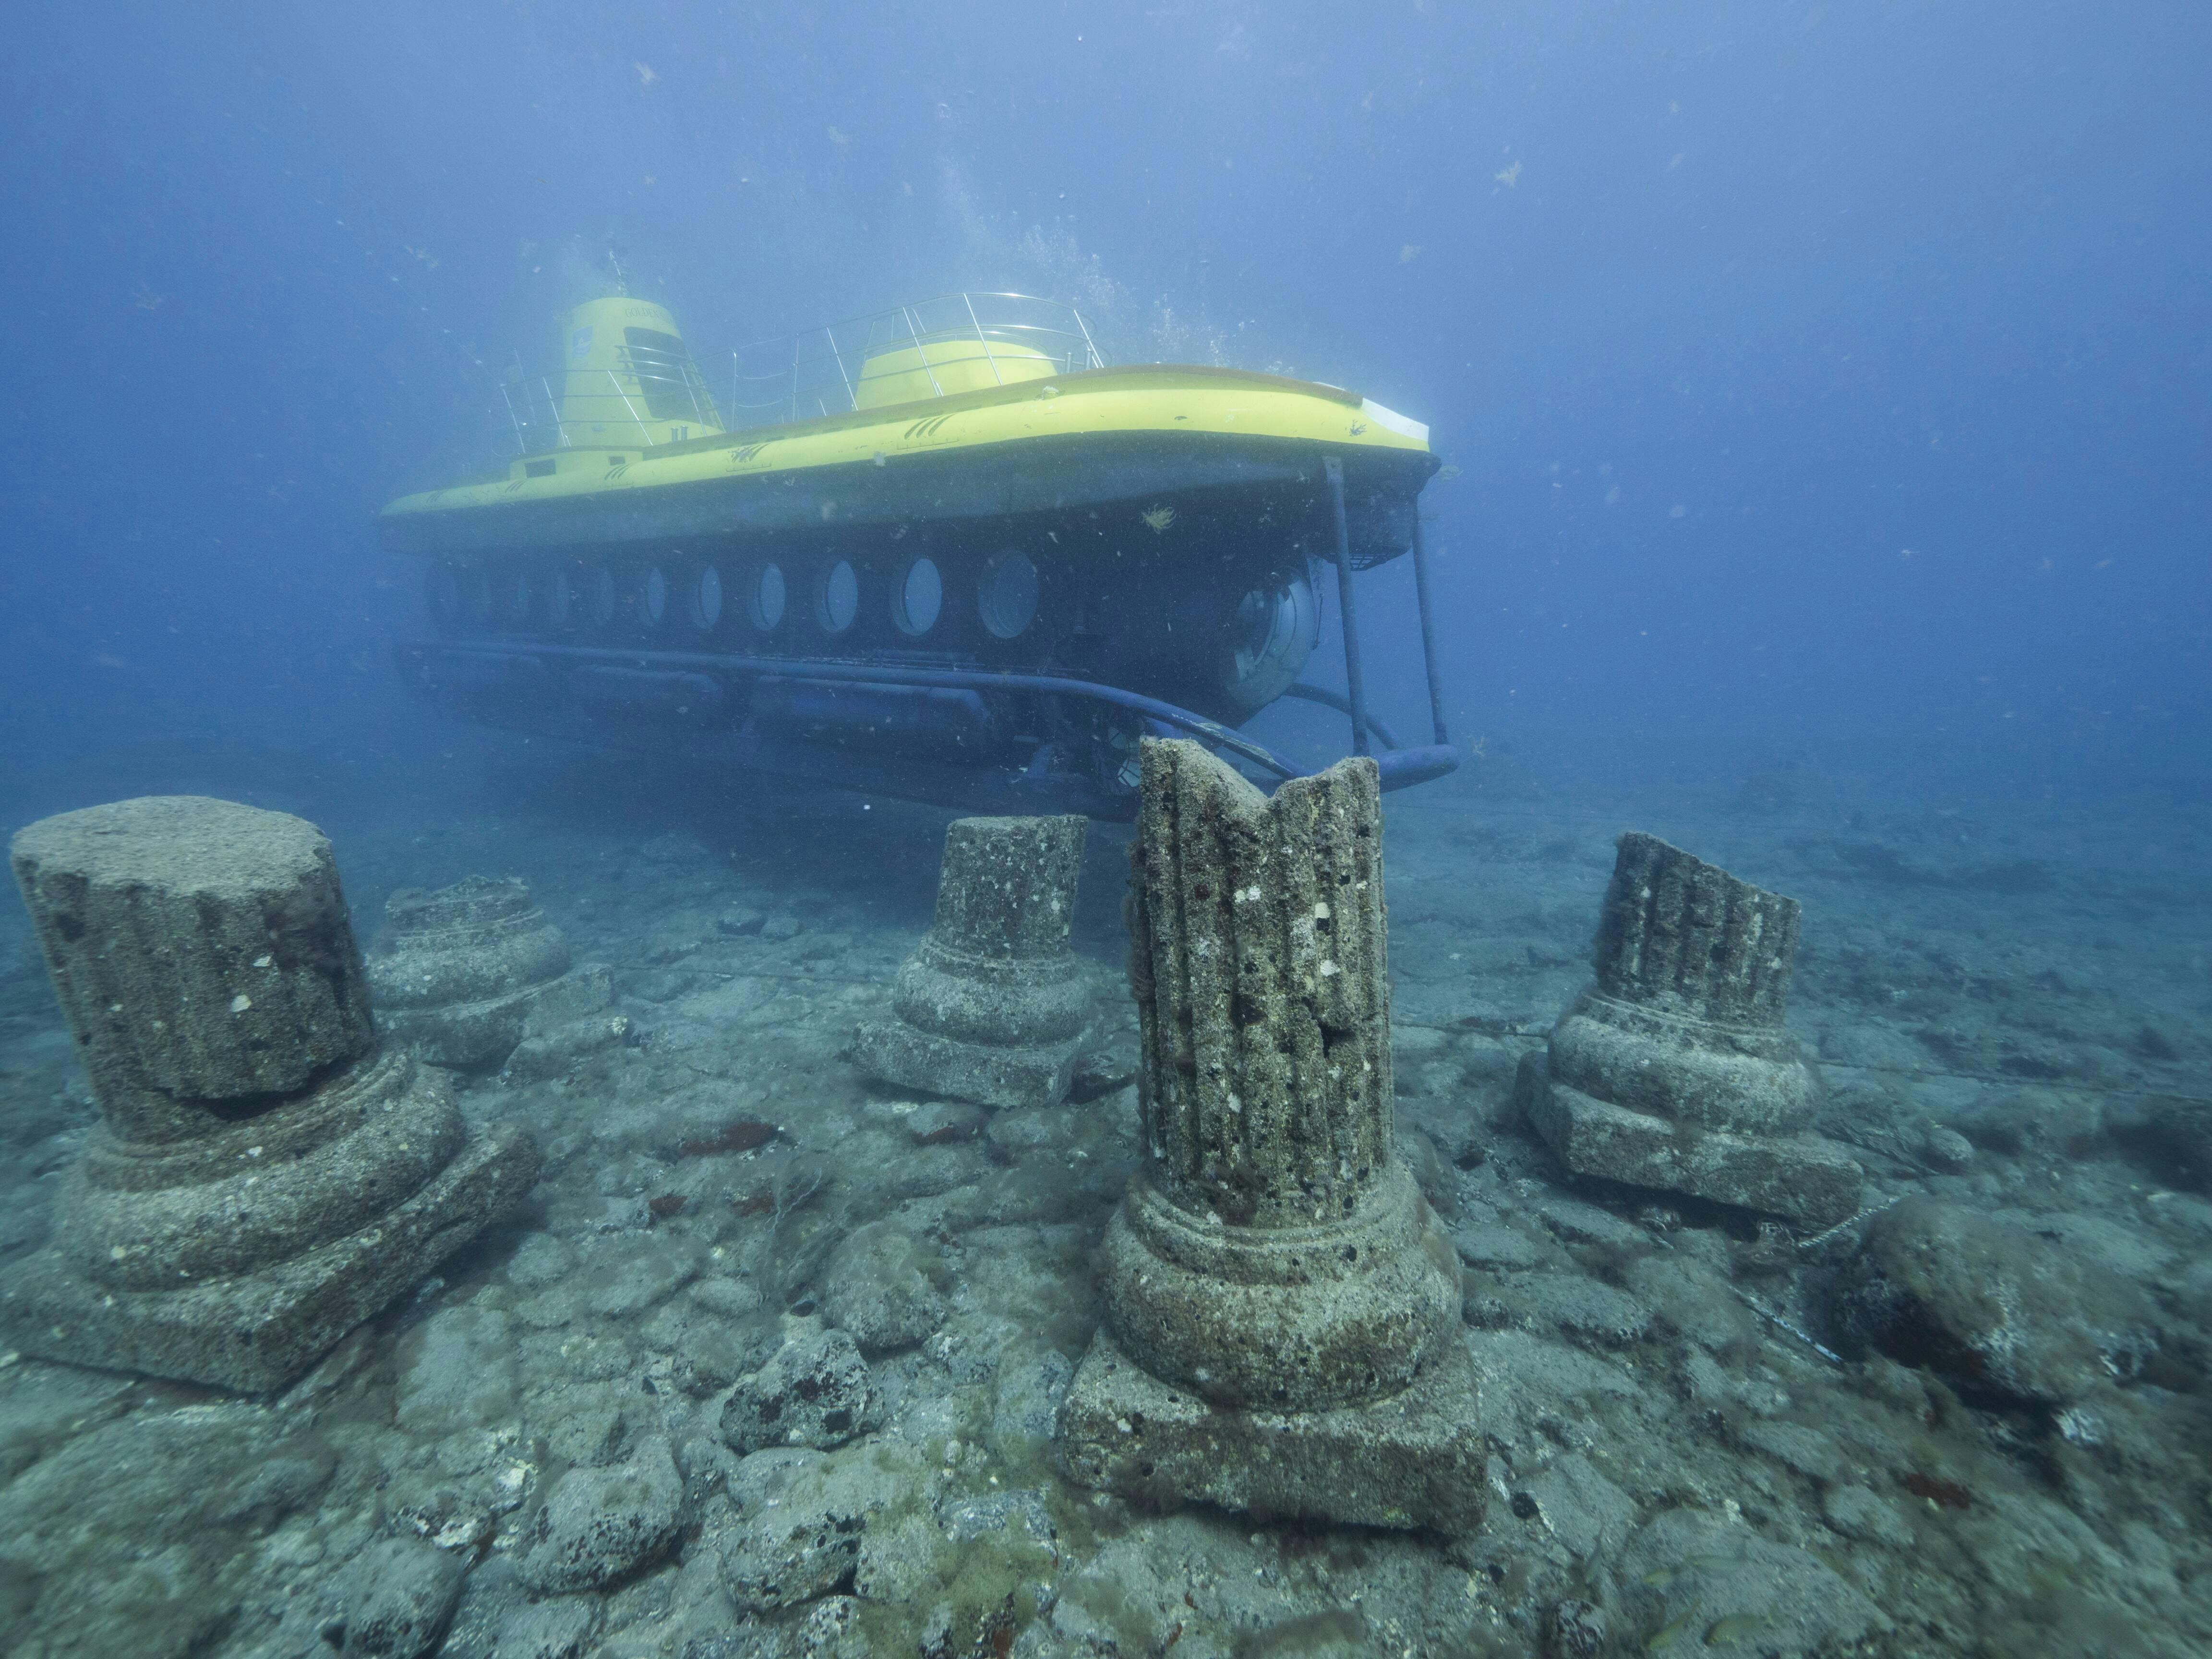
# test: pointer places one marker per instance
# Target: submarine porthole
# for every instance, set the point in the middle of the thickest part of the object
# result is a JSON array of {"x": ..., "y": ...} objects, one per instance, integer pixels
[
  {"x": 920, "y": 598},
  {"x": 560, "y": 602},
  {"x": 442, "y": 592},
  {"x": 599, "y": 595},
  {"x": 652, "y": 598},
  {"x": 766, "y": 605},
  {"x": 1006, "y": 595},
  {"x": 475, "y": 598},
  {"x": 837, "y": 599},
  {"x": 702, "y": 598}
]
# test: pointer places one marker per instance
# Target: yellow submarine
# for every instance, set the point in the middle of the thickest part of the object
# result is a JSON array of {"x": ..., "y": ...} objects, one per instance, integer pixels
[{"x": 945, "y": 551}]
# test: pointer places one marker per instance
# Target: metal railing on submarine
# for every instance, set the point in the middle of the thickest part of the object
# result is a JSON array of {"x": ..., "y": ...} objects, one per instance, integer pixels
[{"x": 519, "y": 667}]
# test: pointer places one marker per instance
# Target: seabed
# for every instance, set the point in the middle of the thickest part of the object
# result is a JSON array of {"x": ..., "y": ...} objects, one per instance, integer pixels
[{"x": 1689, "y": 1449}]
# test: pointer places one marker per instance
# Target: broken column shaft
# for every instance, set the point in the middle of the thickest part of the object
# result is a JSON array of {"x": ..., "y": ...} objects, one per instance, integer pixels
[
  {"x": 991, "y": 1008},
  {"x": 1282, "y": 1308},
  {"x": 1674, "y": 1070},
  {"x": 262, "y": 1178}
]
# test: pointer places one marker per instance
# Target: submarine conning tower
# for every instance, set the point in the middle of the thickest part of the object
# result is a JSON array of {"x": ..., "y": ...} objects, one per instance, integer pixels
[{"x": 627, "y": 379}]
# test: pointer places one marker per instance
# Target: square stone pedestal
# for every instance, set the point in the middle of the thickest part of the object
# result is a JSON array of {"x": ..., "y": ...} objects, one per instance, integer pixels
[
  {"x": 257, "y": 1331},
  {"x": 914, "y": 1059},
  {"x": 1415, "y": 1459},
  {"x": 1804, "y": 1178}
]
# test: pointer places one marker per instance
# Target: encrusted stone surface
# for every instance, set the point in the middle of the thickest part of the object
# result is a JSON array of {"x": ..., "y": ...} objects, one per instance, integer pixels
[
  {"x": 1413, "y": 1459},
  {"x": 1673, "y": 1070},
  {"x": 991, "y": 1007},
  {"x": 1274, "y": 1266},
  {"x": 462, "y": 974},
  {"x": 230, "y": 1237},
  {"x": 200, "y": 950}
]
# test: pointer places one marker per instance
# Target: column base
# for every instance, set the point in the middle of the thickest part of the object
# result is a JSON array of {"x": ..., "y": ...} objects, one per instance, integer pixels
[
  {"x": 1804, "y": 1178},
  {"x": 898, "y": 1052},
  {"x": 462, "y": 1034},
  {"x": 255, "y": 1332},
  {"x": 1414, "y": 1459}
]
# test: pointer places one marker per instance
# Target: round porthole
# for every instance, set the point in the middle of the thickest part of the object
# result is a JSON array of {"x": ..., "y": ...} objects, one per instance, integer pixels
[
  {"x": 1007, "y": 594},
  {"x": 560, "y": 601},
  {"x": 837, "y": 601},
  {"x": 766, "y": 605},
  {"x": 702, "y": 598},
  {"x": 652, "y": 598},
  {"x": 600, "y": 599},
  {"x": 920, "y": 598},
  {"x": 441, "y": 592},
  {"x": 514, "y": 599}
]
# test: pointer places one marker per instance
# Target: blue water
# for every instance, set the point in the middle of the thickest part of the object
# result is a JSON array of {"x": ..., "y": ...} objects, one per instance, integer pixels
[
  {"x": 1823, "y": 379},
  {"x": 1827, "y": 396}
]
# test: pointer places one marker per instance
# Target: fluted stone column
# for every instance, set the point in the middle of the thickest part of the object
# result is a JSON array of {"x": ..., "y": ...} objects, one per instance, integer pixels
[
  {"x": 460, "y": 975},
  {"x": 1282, "y": 1308},
  {"x": 1674, "y": 1070},
  {"x": 991, "y": 1007},
  {"x": 263, "y": 1177}
]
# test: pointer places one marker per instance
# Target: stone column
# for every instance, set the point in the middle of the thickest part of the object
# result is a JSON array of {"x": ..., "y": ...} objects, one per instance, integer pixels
[
  {"x": 1282, "y": 1308},
  {"x": 262, "y": 1177},
  {"x": 460, "y": 974},
  {"x": 991, "y": 1008},
  {"x": 1674, "y": 1070}
]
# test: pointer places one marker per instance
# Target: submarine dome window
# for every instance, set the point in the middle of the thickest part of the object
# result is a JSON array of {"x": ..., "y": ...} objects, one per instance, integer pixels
[
  {"x": 1006, "y": 595},
  {"x": 919, "y": 599},
  {"x": 653, "y": 598},
  {"x": 765, "y": 607},
  {"x": 599, "y": 595},
  {"x": 702, "y": 598},
  {"x": 837, "y": 600}
]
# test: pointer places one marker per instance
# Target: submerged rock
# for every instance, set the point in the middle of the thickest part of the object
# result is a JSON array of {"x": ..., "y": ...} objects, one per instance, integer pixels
[
  {"x": 815, "y": 1390},
  {"x": 599, "y": 1525},
  {"x": 878, "y": 1289},
  {"x": 399, "y": 1594},
  {"x": 1992, "y": 1307}
]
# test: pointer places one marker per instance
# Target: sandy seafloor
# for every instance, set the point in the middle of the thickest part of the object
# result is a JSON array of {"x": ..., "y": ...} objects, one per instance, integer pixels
[{"x": 1669, "y": 1447}]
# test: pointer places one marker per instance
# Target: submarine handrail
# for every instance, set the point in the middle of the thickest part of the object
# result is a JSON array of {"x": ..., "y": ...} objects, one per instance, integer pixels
[
  {"x": 828, "y": 669},
  {"x": 535, "y": 407}
]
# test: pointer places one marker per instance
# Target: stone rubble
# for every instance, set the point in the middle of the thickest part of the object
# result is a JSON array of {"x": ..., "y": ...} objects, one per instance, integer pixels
[{"x": 1670, "y": 1469}]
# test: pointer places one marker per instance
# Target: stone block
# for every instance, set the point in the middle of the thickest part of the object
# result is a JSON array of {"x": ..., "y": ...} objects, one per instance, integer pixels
[
  {"x": 1414, "y": 1459},
  {"x": 255, "y": 1331},
  {"x": 1804, "y": 1177}
]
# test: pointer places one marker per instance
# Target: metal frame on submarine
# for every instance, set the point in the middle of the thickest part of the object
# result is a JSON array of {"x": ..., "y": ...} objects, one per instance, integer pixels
[{"x": 945, "y": 552}]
